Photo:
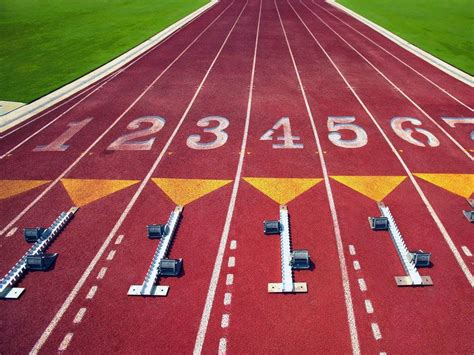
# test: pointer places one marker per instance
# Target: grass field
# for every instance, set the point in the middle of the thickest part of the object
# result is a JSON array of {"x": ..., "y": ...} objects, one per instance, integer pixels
[
  {"x": 46, "y": 44},
  {"x": 444, "y": 28}
]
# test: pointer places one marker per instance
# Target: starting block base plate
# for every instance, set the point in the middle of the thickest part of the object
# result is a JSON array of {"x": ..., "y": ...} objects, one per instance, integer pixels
[
  {"x": 156, "y": 291},
  {"x": 298, "y": 287},
  {"x": 12, "y": 293},
  {"x": 406, "y": 281}
]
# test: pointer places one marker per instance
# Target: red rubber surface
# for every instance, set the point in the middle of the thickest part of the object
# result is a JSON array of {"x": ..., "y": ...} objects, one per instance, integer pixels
[{"x": 183, "y": 82}]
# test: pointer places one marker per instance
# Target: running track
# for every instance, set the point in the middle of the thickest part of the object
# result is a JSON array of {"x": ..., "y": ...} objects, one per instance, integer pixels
[{"x": 345, "y": 99}]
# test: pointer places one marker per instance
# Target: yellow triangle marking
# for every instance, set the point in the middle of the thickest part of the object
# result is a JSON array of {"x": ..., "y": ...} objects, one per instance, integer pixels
[
  {"x": 374, "y": 187},
  {"x": 85, "y": 191},
  {"x": 9, "y": 188},
  {"x": 282, "y": 190},
  {"x": 185, "y": 191},
  {"x": 459, "y": 184}
]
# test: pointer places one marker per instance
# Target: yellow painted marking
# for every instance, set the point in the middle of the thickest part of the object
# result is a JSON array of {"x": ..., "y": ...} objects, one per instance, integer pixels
[
  {"x": 459, "y": 184},
  {"x": 282, "y": 190},
  {"x": 9, "y": 188},
  {"x": 374, "y": 187},
  {"x": 185, "y": 191},
  {"x": 85, "y": 191}
]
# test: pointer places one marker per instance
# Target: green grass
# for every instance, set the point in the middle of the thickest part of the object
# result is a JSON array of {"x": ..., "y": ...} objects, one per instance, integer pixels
[
  {"x": 444, "y": 28},
  {"x": 45, "y": 44}
]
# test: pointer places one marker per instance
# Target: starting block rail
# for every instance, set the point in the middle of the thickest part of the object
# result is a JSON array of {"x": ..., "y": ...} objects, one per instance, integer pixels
[
  {"x": 413, "y": 277},
  {"x": 7, "y": 283},
  {"x": 149, "y": 286},
  {"x": 287, "y": 284}
]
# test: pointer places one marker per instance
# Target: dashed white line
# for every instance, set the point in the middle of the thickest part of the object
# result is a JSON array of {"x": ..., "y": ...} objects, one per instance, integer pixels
[
  {"x": 231, "y": 262},
  {"x": 227, "y": 298},
  {"x": 111, "y": 255},
  {"x": 352, "y": 250},
  {"x": 233, "y": 245},
  {"x": 362, "y": 285},
  {"x": 229, "y": 280},
  {"x": 12, "y": 231},
  {"x": 91, "y": 293},
  {"x": 368, "y": 307},
  {"x": 356, "y": 265},
  {"x": 79, "y": 315},
  {"x": 222, "y": 346},
  {"x": 65, "y": 343},
  {"x": 119, "y": 239},
  {"x": 466, "y": 251},
  {"x": 376, "y": 331},
  {"x": 225, "y": 321},
  {"x": 101, "y": 273}
]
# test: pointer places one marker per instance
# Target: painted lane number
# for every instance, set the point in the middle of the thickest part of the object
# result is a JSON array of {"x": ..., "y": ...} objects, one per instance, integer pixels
[
  {"x": 194, "y": 141},
  {"x": 59, "y": 144},
  {"x": 288, "y": 138},
  {"x": 345, "y": 123},
  {"x": 129, "y": 142}
]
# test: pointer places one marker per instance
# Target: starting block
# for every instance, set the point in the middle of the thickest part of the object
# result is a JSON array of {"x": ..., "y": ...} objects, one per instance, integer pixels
[
  {"x": 34, "y": 259},
  {"x": 160, "y": 266},
  {"x": 296, "y": 260},
  {"x": 470, "y": 214},
  {"x": 410, "y": 260}
]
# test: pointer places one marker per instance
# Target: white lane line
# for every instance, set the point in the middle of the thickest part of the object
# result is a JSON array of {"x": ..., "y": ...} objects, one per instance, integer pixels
[
  {"x": 430, "y": 208},
  {"x": 231, "y": 262},
  {"x": 103, "y": 80},
  {"x": 111, "y": 255},
  {"x": 227, "y": 298},
  {"x": 362, "y": 285},
  {"x": 65, "y": 343},
  {"x": 91, "y": 293},
  {"x": 230, "y": 212},
  {"x": 119, "y": 239},
  {"x": 225, "y": 321},
  {"x": 466, "y": 251},
  {"x": 11, "y": 232},
  {"x": 83, "y": 154},
  {"x": 332, "y": 205},
  {"x": 368, "y": 307},
  {"x": 79, "y": 315},
  {"x": 101, "y": 273},
  {"x": 356, "y": 265},
  {"x": 376, "y": 331},
  {"x": 397, "y": 58},
  {"x": 441, "y": 128},
  {"x": 383, "y": 353},
  {"x": 72, "y": 295},
  {"x": 222, "y": 346},
  {"x": 233, "y": 245},
  {"x": 352, "y": 250}
]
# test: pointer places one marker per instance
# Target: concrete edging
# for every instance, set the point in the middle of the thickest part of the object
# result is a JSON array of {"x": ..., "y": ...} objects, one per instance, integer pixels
[
  {"x": 23, "y": 113},
  {"x": 447, "y": 68}
]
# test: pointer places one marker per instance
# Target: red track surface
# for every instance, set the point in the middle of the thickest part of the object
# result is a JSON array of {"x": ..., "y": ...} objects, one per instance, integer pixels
[{"x": 251, "y": 63}]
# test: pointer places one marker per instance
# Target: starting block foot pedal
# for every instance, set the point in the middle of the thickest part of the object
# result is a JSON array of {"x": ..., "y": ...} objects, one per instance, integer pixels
[
  {"x": 12, "y": 293},
  {"x": 406, "y": 281},
  {"x": 298, "y": 287},
  {"x": 156, "y": 291}
]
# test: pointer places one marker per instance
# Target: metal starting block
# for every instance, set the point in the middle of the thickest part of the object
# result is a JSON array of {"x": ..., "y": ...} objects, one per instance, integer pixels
[
  {"x": 296, "y": 260},
  {"x": 470, "y": 214},
  {"x": 160, "y": 266},
  {"x": 410, "y": 260},
  {"x": 378, "y": 223},
  {"x": 34, "y": 259}
]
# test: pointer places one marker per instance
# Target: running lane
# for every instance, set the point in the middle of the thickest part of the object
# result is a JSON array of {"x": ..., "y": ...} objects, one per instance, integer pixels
[
  {"x": 245, "y": 318},
  {"x": 222, "y": 93},
  {"x": 444, "y": 80},
  {"x": 367, "y": 166},
  {"x": 432, "y": 102},
  {"x": 46, "y": 292}
]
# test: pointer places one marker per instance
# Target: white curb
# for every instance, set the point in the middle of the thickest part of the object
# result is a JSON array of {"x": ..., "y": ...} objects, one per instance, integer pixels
[
  {"x": 447, "y": 68},
  {"x": 21, "y": 114}
]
